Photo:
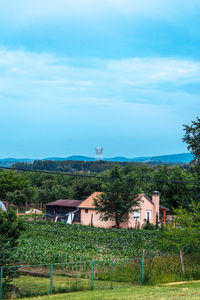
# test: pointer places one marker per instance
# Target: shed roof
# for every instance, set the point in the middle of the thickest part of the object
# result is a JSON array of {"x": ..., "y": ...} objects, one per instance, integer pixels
[
  {"x": 65, "y": 202},
  {"x": 164, "y": 208}
]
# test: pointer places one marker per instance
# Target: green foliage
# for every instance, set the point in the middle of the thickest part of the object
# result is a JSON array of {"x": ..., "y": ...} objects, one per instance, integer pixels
[
  {"x": 167, "y": 268},
  {"x": 47, "y": 242},
  {"x": 187, "y": 235},
  {"x": 172, "y": 183},
  {"x": 11, "y": 181},
  {"x": 116, "y": 200},
  {"x": 20, "y": 197},
  {"x": 192, "y": 138},
  {"x": 83, "y": 187},
  {"x": 149, "y": 226},
  {"x": 74, "y": 166},
  {"x": 10, "y": 231}
]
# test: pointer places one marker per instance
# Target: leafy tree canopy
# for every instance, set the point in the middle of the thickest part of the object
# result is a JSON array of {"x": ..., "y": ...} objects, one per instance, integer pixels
[
  {"x": 186, "y": 235},
  {"x": 192, "y": 138},
  {"x": 116, "y": 200},
  {"x": 10, "y": 230}
]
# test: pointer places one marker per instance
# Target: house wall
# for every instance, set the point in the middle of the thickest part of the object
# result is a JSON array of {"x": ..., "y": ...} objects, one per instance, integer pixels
[
  {"x": 144, "y": 205},
  {"x": 93, "y": 218}
]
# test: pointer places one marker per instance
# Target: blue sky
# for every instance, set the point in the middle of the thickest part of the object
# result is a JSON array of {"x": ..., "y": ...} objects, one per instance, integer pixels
[{"x": 78, "y": 74}]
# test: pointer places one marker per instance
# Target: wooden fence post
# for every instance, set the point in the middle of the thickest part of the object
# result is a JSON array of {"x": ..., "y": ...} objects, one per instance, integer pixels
[{"x": 182, "y": 264}]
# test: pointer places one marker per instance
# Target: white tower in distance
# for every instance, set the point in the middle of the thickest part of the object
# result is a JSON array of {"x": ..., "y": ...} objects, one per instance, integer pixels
[{"x": 99, "y": 153}]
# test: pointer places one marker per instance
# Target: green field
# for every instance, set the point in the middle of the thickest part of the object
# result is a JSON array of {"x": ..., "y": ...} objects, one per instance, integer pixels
[
  {"x": 46, "y": 242},
  {"x": 77, "y": 258},
  {"x": 186, "y": 291}
]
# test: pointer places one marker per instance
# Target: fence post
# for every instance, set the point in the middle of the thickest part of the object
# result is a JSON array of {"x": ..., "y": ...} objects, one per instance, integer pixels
[
  {"x": 111, "y": 275},
  {"x": 142, "y": 268},
  {"x": 51, "y": 279},
  {"x": 1, "y": 283},
  {"x": 92, "y": 275},
  {"x": 182, "y": 264}
]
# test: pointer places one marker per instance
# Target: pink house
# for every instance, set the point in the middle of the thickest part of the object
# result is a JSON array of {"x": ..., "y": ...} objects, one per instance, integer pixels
[{"x": 147, "y": 209}]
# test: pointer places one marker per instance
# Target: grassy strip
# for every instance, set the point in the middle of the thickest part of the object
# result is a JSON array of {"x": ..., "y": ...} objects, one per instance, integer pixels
[{"x": 187, "y": 291}]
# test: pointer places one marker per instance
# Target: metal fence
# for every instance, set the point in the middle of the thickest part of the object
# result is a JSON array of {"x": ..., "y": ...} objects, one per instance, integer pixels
[{"x": 34, "y": 280}]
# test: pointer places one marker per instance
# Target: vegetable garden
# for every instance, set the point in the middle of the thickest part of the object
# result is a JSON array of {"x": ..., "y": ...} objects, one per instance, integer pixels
[
  {"x": 50, "y": 243},
  {"x": 55, "y": 257}
]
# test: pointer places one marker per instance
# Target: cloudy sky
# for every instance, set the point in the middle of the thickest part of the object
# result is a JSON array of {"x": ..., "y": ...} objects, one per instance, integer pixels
[{"x": 122, "y": 74}]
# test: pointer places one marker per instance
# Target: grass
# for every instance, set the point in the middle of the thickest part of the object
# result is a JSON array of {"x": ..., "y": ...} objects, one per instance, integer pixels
[
  {"x": 29, "y": 286},
  {"x": 73, "y": 277},
  {"x": 186, "y": 291}
]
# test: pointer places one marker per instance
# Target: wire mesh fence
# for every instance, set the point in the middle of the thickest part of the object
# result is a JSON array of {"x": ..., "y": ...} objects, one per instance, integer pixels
[{"x": 37, "y": 280}]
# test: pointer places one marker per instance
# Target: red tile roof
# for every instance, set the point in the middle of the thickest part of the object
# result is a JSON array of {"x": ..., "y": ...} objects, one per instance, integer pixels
[
  {"x": 65, "y": 202},
  {"x": 89, "y": 202}
]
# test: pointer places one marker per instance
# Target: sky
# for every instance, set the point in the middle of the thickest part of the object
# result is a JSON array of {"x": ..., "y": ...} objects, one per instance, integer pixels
[{"x": 119, "y": 74}]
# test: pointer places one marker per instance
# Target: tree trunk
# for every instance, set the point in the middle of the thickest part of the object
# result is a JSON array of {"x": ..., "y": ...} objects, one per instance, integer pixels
[{"x": 117, "y": 222}]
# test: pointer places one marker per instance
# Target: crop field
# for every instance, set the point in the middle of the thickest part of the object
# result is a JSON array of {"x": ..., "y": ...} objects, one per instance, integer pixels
[
  {"x": 46, "y": 242},
  {"x": 59, "y": 258}
]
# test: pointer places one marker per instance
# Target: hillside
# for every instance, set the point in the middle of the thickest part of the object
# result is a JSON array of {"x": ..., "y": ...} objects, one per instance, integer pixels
[{"x": 170, "y": 159}]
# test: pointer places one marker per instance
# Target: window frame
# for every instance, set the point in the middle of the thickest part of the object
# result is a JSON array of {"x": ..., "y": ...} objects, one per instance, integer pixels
[
  {"x": 137, "y": 217},
  {"x": 150, "y": 214}
]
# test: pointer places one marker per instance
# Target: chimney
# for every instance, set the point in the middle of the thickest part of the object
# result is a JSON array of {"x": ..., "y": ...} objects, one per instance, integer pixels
[{"x": 156, "y": 201}]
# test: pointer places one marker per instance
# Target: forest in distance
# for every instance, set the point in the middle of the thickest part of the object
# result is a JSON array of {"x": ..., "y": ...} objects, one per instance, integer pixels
[
  {"x": 177, "y": 184},
  {"x": 71, "y": 166}
]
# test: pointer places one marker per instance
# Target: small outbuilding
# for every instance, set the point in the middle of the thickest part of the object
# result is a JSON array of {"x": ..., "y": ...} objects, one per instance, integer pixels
[{"x": 64, "y": 209}]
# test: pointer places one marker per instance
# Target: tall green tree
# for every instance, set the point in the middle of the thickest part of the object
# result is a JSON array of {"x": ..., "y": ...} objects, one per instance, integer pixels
[
  {"x": 192, "y": 138},
  {"x": 11, "y": 228},
  {"x": 11, "y": 181},
  {"x": 116, "y": 200},
  {"x": 20, "y": 197},
  {"x": 186, "y": 235}
]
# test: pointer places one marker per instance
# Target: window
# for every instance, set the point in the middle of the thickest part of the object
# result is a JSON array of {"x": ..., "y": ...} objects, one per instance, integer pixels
[
  {"x": 136, "y": 215},
  {"x": 86, "y": 210},
  {"x": 148, "y": 214}
]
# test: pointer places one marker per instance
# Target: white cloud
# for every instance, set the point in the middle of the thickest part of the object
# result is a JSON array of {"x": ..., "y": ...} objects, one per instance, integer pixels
[
  {"x": 52, "y": 100},
  {"x": 28, "y": 75},
  {"x": 141, "y": 71}
]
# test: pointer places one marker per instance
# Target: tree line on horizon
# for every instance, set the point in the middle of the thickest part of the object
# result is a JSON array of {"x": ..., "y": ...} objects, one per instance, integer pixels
[
  {"x": 178, "y": 184},
  {"x": 71, "y": 166}
]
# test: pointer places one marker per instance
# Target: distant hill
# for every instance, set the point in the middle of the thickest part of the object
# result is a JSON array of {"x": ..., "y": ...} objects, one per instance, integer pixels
[
  {"x": 73, "y": 157},
  {"x": 171, "y": 159},
  {"x": 7, "y": 162}
]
